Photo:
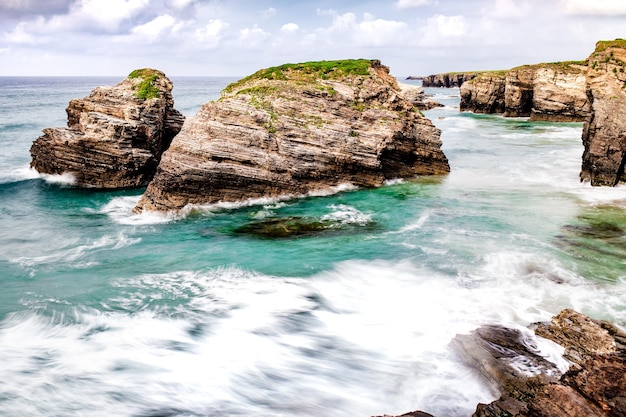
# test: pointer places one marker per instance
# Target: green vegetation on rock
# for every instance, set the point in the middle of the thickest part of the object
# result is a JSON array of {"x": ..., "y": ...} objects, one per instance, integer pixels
[
  {"x": 307, "y": 72},
  {"x": 602, "y": 46},
  {"x": 146, "y": 89}
]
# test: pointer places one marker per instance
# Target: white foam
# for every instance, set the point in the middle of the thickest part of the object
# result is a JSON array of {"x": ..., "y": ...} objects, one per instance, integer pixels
[
  {"x": 120, "y": 210},
  {"x": 347, "y": 215}
]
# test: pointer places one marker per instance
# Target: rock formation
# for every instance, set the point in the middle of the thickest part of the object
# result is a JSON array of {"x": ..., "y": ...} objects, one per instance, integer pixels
[
  {"x": 293, "y": 129},
  {"x": 530, "y": 385},
  {"x": 417, "y": 97},
  {"x": 115, "y": 136},
  {"x": 604, "y": 132},
  {"x": 550, "y": 92},
  {"x": 448, "y": 80}
]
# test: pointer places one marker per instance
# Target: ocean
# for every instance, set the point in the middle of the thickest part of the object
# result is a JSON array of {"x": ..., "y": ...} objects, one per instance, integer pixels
[{"x": 108, "y": 313}]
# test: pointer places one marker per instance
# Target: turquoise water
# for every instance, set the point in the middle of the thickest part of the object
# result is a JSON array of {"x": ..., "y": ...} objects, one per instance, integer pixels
[{"x": 104, "y": 312}]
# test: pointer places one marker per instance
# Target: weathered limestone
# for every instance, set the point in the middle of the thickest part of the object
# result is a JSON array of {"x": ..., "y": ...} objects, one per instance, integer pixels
[
  {"x": 448, "y": 80},
  {"x": 115, "y": 136},
  {"x": 549, "y": 92},
  {"x": 604, "y": 132},
  {"x": 294, "y": 129}
]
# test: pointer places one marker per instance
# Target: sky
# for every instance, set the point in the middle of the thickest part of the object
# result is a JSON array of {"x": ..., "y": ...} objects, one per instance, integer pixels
[{"x": 238, "y": 37}]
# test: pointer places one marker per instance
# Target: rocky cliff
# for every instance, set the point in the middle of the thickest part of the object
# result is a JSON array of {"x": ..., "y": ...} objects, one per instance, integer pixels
[
  {"x": 604, "y": 132},
  {"x": 551, "y": 92},
  {"x": 114, "y": 137},
  {"x": 448, "y": 79},
  {"x": 292, "y": 129}
]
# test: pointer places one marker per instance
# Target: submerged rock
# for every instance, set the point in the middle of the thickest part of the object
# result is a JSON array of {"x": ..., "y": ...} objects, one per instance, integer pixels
[
  {"x": 115, "y": 136},
  {"x": 604, "y": 133},
  {"x": 294, "y": 227},
  {"x": 293, "y": 129}
]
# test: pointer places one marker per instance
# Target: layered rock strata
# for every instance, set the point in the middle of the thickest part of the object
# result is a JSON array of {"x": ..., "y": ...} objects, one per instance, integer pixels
[
  {"x": 114, "y": 137},
  {"x": 529, "y": 384},
  {"x": 604, "y": 133},
  {"x": 543, "y": 92},
  {"x": 448, "y": 80},
  {"x": 293, "y": 129}
]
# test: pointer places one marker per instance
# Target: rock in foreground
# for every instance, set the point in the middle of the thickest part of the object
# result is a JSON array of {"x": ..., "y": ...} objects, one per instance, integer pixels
[
  {"x": 293, "y": 129},
  {"x": 115, "y": 136}
]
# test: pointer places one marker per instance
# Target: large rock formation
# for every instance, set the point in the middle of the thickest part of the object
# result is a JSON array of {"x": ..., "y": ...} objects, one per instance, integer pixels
[
  {"x": 604, "y": 133},
  {"x": 115, "y": 136},
  {"x": 293, "y": 129},
  {"x": 554, "y": 92},
  {"x": 448, "y": 79}
]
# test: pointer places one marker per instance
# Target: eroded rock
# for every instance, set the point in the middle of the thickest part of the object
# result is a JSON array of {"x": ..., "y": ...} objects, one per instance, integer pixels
[
  {"x": 290, "y": 130},
  {"x": 115, "y": 136},
  {"x": 604, "y": 133}
]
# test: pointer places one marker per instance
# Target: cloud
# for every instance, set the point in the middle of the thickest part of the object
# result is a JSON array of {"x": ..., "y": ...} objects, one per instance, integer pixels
[
  {"x": 19, "y": 35},
  {"x": 507, "y": 9},
  {"x": 290, "y": 27},
  {"x": 211, "y": 34},
  {"x": 251, "y": 38},
  {"x": 407, "y": 4},
  {"x": 267, "y": 13},
  {"x": 380, "y": 32},
  {"x": 152, "y": 30},
  {"x": 611, "y": 8},
  {"x": 107, "y": 14}
]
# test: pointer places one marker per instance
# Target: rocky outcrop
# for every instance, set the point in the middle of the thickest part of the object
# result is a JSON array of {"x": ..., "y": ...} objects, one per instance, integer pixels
[
  {"x": 604, "y": 133},
  {"x": 548, "y": 92},
  {"x": 293, "y": 129},
  {"x": 448, "y": 80},
  {"x": 114, "y": 137},
  {"x": 417, "y": 97},
  {"x": 589, "y": 380},
  {"x": 531, "y": 386}
]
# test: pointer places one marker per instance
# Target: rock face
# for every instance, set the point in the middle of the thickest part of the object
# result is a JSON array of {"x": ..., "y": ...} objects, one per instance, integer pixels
[
  {"x": 531, "y": 386},
  {"x": 293, "y": 129},
  {"x": 604, "y": 132},
  {"x": 549, "y": 92},
  {"x": 448, "y": 80},
  {"x": 115, "y": 136}
]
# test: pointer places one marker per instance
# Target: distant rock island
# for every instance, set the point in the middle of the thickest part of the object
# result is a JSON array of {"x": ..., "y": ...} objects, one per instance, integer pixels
[
  {"x": 293, "y": 129},
  {"x": 593, "y": 91},
  {"x": 115, "y": 136}
]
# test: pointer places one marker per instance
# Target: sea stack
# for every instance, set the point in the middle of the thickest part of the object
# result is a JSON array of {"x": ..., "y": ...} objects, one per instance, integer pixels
[
  {"x": 293, "y": 129},
  {"x": 114, "y": 137},
  {"x": 604, "y": 132}
]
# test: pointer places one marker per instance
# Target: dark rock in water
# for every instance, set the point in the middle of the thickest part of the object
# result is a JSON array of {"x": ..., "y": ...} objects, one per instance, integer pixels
[
  {"x": 293, "y": 129},
  {"x": 293, "y": 227},
  {"x": 115, "y": 136}
]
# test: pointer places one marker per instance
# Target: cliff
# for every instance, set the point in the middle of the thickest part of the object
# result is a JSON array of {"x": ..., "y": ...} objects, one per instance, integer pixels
[
  {"x": 293, "y": 129},
  {"x": 114, "y": 137},
  {"x": 448, "y": 79},
  {"x": 549, "y": 92},
  {"x": 604, "y": 132}
]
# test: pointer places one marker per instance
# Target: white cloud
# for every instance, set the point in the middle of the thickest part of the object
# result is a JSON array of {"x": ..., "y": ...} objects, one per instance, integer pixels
[
  {"x": 211, "y": 34},
  {"x": 594, "y": 7},
  {"x": 509, "y": 9},
  {"x": 407, "y": 4},
  {"x": 380, "y": 32},
  {"x": 252, "y": 37},
  {"x": 448, "y": 26},
  {"x": 107, "y": 14},
  {"x": 179, "y": 4},
  {"x": 19, "y": 35},
  {"x": 154, "y": 28},
  {"x": 267, "y": 13},
  {"x": 290, "y": 27}
]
